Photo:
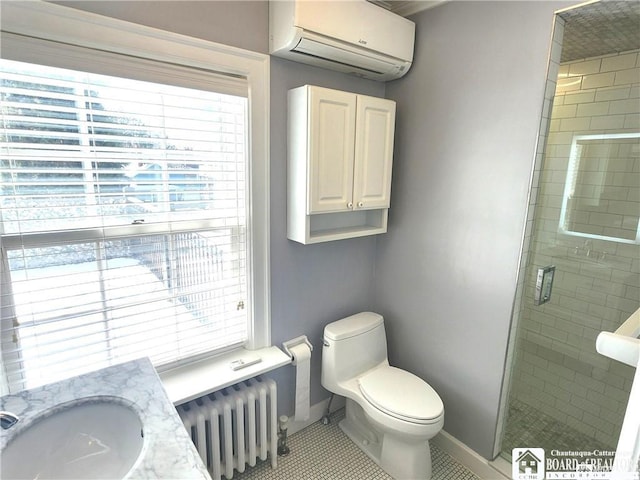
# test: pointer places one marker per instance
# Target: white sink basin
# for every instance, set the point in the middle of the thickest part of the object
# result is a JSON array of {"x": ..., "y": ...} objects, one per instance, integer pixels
[{"x": 91, "y": 438}]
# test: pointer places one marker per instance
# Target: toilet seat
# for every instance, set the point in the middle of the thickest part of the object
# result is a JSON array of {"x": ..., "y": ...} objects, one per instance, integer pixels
[{"x": 402, "y": 395}]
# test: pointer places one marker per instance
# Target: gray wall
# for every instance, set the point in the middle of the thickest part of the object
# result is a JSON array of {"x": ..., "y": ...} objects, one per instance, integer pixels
[
  {"x": 444, "y": 276},
  {"x": 468, "y": 115},
  {"x": 311, "y": 285},
  {"x": 243, "y": 24}
]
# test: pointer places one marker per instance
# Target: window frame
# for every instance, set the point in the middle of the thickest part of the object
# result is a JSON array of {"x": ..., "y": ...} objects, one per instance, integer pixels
[{"x": 26, "y": 23}]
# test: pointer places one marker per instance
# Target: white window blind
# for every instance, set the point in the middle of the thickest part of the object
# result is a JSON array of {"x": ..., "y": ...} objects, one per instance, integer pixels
[{"x": 123, "y": 221}]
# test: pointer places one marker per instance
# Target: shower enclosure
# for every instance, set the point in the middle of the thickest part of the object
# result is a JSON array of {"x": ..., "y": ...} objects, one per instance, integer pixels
[{"x": 584, "y": 232}]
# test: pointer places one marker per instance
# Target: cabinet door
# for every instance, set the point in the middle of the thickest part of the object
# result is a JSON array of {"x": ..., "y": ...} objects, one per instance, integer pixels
[
  {"x": 375, "y": 124},
  {"x": 332, "y": 118}
]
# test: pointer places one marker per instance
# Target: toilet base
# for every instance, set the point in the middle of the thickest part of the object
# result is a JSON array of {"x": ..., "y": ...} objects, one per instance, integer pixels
[{"x": 400, "y": 459}]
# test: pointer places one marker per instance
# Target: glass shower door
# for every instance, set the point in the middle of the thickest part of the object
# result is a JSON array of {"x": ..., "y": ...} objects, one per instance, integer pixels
[{"x": 563, "y": 395}]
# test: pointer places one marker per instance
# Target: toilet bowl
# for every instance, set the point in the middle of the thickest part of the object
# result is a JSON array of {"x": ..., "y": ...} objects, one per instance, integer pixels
[{"x": 390, "y": 413}]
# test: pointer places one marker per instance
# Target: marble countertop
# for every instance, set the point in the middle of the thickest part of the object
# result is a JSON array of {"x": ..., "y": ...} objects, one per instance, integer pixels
[{"x": 168, "y": 451}]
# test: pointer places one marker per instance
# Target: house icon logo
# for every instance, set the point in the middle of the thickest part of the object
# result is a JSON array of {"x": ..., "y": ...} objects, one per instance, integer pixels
[{"x": 527, "y": 463}]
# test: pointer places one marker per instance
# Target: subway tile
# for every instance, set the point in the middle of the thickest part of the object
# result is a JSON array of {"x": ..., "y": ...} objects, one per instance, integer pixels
[
  {"x": 577, "y": 281},
  {"x": 553, "y": 332},
  {"x": 534, "y": 380},
  {"x": 589, "y": 356},
  {"x": 576, "y": 125},
  {"x": 560, "y": 138},
  {"x": 607, "y": 122},
  {"x": 556, "y": 53},
  {"x": 631, "y": 292},
  {"x": 625, "y": 207},
  {"x": 552, "y": 74},
  {"x": 619, "y": 62},
  {"x": 595, "y": 421},
  {"x": 597, "y": 80},
  {"x": 585, "y": 67},
  {"x": 621, "y": 303},
  {"x": 626, "y": 251},
  {"x": 612, "y": 93},
  {"x": 611, "y": 440},
  {"x": 622, "y": 370},
  {"x": 577, "y": 366},
  {"x": 625, "y": 77},
  {"x": 558, "y": 159},
  {"x": 586, "y": 406},
  {"x": 595, "y": 109},
  {"x": 581, "y": 96},
  {"x": 539, "y": 340},
  {"x": 572, "y": 304},
  {"x": 565, "y": 374},
  {"x": 545, "y": 375},
  {"x": 558, "y": 31},
  {"x": 623, "y": 106},
  {"x": 546, "y": 109},
  {"x": 627, "y": 180},
  {"x": 607, "y": 314},
  {"x": 557, "y": 392},
  {"x": 557, "y": 311},
  {"x": 630, "y": 225},
  {"x": 632, "y": 121},
  {"x": 613, "y": 384},
  {"x": 535, "y": 360},
  {"x": 569, "y": 409},
  {"x": 544, "y": 397},
  {"x": 595, "y": 271},
  {"x": 573, "y": 388},
  {"x": 564, "y": 70},
  {"x": 568, "y": 84},
  {"x": 554, "y": 125},
  {"x": 591, "y": 296},
  {"x": 611, "y": 411},
  {"x": 564, "y": 111},
  {"x": 580, "y": 426},
  {"x": 590, "y": 383},
  {"x": 574, "y": 340}
]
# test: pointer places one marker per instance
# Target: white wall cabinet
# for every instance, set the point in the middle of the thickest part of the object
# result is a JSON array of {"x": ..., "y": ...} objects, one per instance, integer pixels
[{"x": 340, "y": 156}]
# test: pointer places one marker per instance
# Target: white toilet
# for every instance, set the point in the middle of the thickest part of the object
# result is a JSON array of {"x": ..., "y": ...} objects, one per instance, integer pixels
[{"x": 391, "y": 413}]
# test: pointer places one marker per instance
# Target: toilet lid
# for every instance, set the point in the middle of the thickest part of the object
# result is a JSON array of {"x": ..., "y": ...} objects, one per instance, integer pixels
[{"x": 401, "y": 394}]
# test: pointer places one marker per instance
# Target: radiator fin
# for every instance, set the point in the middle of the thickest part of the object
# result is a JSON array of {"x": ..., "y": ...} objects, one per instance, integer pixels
[{"x": 234, "y": 427}]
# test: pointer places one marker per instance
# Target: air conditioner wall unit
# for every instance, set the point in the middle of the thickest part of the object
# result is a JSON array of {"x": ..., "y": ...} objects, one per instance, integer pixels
[{"x": 349, "y": 36}]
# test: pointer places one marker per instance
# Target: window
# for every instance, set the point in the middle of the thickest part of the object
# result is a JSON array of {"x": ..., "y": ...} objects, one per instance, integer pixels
[{"x": 132, "y": 207}]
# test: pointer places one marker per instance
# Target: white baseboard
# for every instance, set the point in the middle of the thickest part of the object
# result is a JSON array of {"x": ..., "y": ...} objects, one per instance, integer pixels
[
  {"x": 316, "y": 413},
  {"x": 464, "y": 455},
  {"x": 479, "y": 465}
]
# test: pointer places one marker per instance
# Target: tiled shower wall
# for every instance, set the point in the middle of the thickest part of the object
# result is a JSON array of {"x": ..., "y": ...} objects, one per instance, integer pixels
[{"x": 596, "y": 286}]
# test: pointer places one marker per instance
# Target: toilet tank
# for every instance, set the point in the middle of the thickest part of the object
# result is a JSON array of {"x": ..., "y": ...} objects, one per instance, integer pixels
[{"x": 352, "y": 346}]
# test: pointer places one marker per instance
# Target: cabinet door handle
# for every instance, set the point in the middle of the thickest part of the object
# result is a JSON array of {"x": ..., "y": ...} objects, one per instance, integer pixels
[
  {"x": 360, "y": 204},
  {"x": 350, "y": 205}
]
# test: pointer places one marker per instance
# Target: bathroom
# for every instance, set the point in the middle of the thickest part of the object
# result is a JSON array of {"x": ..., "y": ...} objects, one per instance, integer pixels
[{"x": 446, "y": 273}]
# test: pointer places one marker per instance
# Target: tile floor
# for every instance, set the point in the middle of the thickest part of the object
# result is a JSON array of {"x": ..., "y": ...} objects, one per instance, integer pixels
[
  {"x": 529, "y": 427},
  {"x": 324, "y": 452}
]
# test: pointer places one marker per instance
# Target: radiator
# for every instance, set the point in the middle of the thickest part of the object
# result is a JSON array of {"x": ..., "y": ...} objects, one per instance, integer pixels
[{"x": 234, "y": 427}]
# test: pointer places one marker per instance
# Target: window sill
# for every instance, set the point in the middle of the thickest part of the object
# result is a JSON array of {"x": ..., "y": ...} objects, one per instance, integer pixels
[{"x": 201, "y": 378}]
